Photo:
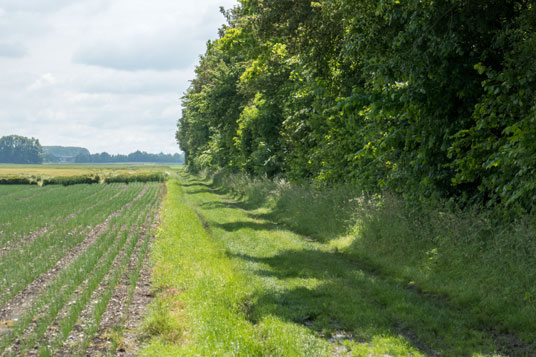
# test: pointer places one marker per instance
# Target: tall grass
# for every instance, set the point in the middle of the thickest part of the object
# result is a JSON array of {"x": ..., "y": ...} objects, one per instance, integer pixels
[
  {"x": 465, "y": 257},
  {"x": 321, "y": 214}
]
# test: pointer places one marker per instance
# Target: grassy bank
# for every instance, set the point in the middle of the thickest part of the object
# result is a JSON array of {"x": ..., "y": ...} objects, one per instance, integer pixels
[
  {"x": 464, "y": 257},
  {"x": 250, "y": 267}
]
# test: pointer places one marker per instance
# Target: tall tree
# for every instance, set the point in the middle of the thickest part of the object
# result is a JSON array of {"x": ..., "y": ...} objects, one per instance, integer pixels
[
  {"x": 20, "y": 150},
  {"x": 425, "y": 98}
]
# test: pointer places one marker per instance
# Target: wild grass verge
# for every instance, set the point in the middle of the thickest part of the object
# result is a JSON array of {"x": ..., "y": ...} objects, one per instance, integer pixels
[{"x": 464, "y": 258}]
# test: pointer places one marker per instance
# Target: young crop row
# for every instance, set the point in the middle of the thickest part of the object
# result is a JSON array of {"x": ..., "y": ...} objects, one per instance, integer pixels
[
  {"x": 43, "y": 252},
  {"x": 95, "y": 262},
  {"x": 37, "y": 210}
]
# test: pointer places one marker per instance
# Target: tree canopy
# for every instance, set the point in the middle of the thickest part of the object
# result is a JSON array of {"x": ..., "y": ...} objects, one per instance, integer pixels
[
  {"x": 16, "y": 149},
  {"x": 424, "y": 98},
  {"x": 138, "y": 156}
]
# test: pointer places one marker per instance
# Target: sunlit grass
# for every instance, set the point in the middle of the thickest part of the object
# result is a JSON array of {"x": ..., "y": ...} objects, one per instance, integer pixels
[{"x": 235, "y": 281}]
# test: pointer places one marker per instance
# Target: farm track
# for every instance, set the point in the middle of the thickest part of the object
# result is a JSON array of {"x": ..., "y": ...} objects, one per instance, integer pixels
[
  {"x": 116, "y": 261},
  {"x": 348, "y": 306}
]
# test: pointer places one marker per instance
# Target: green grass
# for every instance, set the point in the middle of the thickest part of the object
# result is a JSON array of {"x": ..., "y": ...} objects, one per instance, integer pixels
[
  {"x": 481, "y": 265},
  {"x": 248, "y": 278}
]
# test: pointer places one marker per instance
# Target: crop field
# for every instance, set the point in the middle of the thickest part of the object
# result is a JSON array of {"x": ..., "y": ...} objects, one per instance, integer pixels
[
  {"x": 81, "y": 173},
  {"x": 72, "y": 270}
]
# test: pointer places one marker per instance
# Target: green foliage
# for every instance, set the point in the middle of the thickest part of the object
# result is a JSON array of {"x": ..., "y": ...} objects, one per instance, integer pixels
[
  {"x": 70, "y": 180},
  {"x": 17, "y": 181},
  {"x": 137, "y": 156},
  {"x": 431, "y": 99},
  {"x": 63, "y": 153},
  {"x": 16, "y": 149},
  {"x": 139, "y": 177}
]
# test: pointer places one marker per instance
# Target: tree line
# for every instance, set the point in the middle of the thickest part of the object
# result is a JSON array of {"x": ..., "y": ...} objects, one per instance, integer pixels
[
  {"x": 138, "y": 156},
  {"x": 431, "y": 99},
  {"x": 15, "y": 149}
]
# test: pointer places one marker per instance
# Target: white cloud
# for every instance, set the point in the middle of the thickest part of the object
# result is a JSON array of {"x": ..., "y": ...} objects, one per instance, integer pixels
[
  {"x": 45, "y": 81},
  {"x": 135, "y": 60},
  {"x": 158, "y": 52},
  {"x": 165, "y": 37},
  {"x": 13, "y": 50},
  {"x": 34, "y": 5}
]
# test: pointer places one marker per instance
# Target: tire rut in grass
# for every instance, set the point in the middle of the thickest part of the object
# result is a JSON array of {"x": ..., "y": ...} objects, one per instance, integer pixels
[{"x": 508, "y": 344}]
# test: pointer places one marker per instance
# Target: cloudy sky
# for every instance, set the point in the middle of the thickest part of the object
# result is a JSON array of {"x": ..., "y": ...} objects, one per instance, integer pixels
[{"x": 103, "y": 74}]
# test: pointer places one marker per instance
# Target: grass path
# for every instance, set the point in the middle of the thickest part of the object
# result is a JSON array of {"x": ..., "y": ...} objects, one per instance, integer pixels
[{"x": 230, "y": 283}]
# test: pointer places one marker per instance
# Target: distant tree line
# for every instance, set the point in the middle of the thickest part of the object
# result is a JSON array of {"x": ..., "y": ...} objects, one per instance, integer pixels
[
  {"x": 16, "y": 149},
  {"x": 138, "y": 156},
  {"x": 63, "y": 154},
  {"x": 425, "y": 98}
]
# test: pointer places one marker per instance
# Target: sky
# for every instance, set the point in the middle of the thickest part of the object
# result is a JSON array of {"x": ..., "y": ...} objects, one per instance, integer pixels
[{"x": 106, "y": 75}]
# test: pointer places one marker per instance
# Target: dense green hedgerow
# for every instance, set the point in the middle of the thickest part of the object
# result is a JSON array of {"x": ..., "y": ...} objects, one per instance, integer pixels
[
  {"x": 429, "y": 99},
  {"x": 156, "y": 177},
  {"x": 70, "y": 180},
  {"x": 17, "y": 181},
  {"x": 85, "y": 179}
]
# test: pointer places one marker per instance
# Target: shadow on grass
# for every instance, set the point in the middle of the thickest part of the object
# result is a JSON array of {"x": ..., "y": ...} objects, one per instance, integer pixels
[
  {"x": 300, "y": 218},
  {"x": 195, "y": 192},
  {"x": 196, "y": 184},
  {"x": 343, "y": 300},
  {"x": 216, "y": 205},
  {"x": 321, "y": 228},
  {"x": 350, "y": 299},
  {"x": 235, "y": 226}
]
